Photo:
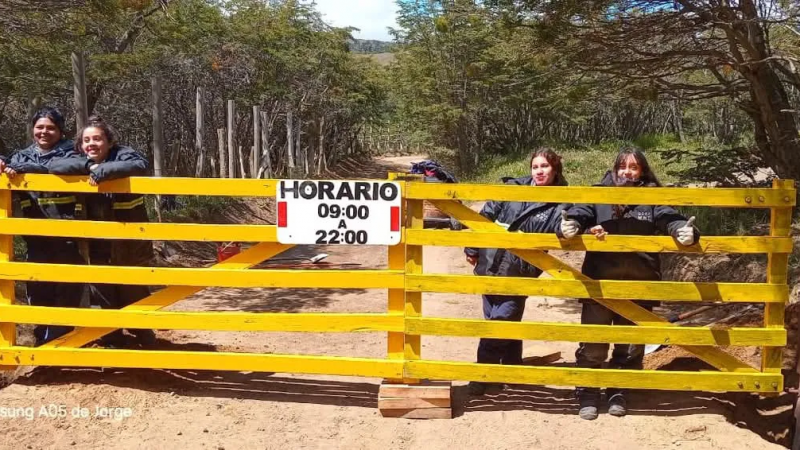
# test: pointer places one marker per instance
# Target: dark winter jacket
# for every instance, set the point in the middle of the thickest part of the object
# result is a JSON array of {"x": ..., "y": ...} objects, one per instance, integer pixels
[
  {"x": 527, "y": 217},
  {"x": 121, "y": 162},
  {"x": 637, "y": 220},
  {"x": 45, "y": 205}
]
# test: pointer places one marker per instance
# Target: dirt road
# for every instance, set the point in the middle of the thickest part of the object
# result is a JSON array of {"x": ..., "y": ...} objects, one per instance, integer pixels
[{"x": 220, "y": 410}]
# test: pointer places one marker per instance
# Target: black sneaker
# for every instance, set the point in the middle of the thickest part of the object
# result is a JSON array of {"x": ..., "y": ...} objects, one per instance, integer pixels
[{"x": 617, "y": 406}]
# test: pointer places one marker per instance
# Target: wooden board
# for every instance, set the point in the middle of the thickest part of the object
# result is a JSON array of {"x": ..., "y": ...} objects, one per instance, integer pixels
[
  {"x": 583, "y": 242},
  {"x": 426, "y": 400},
  {"x": 731, "y": 197},
  {"x": 426, "y": 413},
  {"x": 541, "y": 360},
  {"x": 426, "y": 390},
  {"x": 412, "y": 403}
]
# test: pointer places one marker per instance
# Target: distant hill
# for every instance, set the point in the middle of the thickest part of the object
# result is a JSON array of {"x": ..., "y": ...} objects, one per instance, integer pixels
[{"x": 370, "y": 46}]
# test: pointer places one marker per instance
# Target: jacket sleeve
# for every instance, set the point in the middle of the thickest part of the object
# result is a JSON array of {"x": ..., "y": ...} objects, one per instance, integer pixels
[
  {"x": 20, "y": 164},
  {"x": 668, "y": 220},
  {"x": 129, "y": 163},
  {"x": 584, "y": 214},
  {"x": 71, "y": 164},
  {"x": 491, "y": 210}
]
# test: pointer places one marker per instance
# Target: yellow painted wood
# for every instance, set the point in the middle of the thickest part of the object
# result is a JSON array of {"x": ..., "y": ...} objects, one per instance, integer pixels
[
  {"x": 560, "y": 270},
  {"x": 329, "y": 279},
  {"x": 413, "y": 303},
  {"x": 144, "y": 185},
  {"x": 212, "y": 321},
  {"x": 569, "y": 332},
  {"x": 569, "y": 376},
  {"x": 142, "y": 231},
  {"x": 173, "y": 294},
  {"x": 607, "y": 289},
  {"x": 397, "y": 300},
  {"x": 741, "y": 198},
  {"x": 8, "y": 329},
  {"x": 395, "y": 341},
  {"x": 611, "y": 243},
  {"x": 777, "y": 268},
  {"x": 158, "y": 359}
]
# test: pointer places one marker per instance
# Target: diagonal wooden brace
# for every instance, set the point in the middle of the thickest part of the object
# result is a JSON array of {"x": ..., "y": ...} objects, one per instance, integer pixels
[
  {"x": 559, "y": 269},
  {"x": 173, "y": 294}
]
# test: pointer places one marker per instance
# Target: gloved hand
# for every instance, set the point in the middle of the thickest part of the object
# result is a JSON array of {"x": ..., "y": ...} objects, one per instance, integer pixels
[
  {"x": 686, "y": 232},
  {"x": 569, "y": 227}
]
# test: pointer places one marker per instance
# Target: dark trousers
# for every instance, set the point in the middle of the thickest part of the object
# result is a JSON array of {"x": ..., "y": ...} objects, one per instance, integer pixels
[
  {"x": 116, "y": 296},
  {"x": 43, "y": 293},
  {"x": 501, "y": 351},
  {"x": 592, "y": 355}
]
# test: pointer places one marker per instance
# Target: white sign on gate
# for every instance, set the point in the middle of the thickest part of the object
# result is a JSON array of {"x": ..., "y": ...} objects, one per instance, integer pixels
[{"x": 338, "y": 212}]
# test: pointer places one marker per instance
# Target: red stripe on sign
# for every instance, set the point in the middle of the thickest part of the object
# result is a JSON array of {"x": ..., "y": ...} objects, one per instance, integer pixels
[
  {"x": 282, "y": 214},
  {"x": 395, "y": 218}
]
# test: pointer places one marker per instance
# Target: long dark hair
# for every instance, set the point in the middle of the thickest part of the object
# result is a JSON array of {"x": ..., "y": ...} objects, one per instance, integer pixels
[
  {"x": 555, "y": 162},
  {"x": 647, "y": 178},
  {"x": 98, "y": 122}
]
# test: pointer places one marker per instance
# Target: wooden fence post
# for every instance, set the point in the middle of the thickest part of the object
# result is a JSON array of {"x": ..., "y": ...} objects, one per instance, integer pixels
[{"x": 158, "y": 137}]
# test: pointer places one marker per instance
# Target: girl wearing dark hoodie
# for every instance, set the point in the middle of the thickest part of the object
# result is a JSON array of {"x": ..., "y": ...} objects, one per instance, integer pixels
[
  {"x": 49, "y": 145},
  {"x": 529, "y": 217},
  {"x": 103, "y": 159},
  {"x": 631, "y": 169}
]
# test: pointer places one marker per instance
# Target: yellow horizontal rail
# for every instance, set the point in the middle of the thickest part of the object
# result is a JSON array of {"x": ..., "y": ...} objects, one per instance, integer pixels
[
  {"x": 331, "y": 279},
  {"x": 211, "y": 321},
  {"x": 610, "y": 243},
  {"x": 730, "y": 197},
  {"x": 568, "y": 332},
  {"x": 142, "y": 231},
  {"x": 144, "y": 185},
  {"x": 634, "y": 379},
  {"x": 227, "y": 187},
  {"x": 157, "y": 359},
  {"x": 606, "y": 289}
]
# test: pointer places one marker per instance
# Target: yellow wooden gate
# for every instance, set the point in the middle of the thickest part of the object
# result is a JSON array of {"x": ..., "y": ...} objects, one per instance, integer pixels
[{"x": 405, "y": 281}]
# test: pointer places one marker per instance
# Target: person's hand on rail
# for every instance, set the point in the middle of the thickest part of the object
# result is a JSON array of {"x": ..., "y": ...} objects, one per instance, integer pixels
[{"x": 686, "y": 232}]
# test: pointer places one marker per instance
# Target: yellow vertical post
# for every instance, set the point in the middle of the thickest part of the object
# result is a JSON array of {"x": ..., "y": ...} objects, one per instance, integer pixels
[
  {"x": 397, "y": 299},
  {"x": 8, "y": 331},
  {"x": 777, "y": 267},
  {"x": 413, "y": 300}
]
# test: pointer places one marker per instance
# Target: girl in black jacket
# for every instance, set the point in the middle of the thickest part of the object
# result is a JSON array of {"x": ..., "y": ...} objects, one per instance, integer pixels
[
  {"x": 631, "y": 169},
  {"x": 528, "y": 217},
  {"x": 49, "y": 145},
  {"x": 104, "y": 159}
]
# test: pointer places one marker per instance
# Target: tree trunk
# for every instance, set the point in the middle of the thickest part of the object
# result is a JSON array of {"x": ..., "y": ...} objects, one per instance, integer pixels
[
  {"x": 231, "y": 139},
  {"x": 199, "y": 149},
  {"x": 290, "y": 140},
  {"x": 79, "y": 88},
  {"x": 266, "y": 158},
  {"x": 223, "y": 167},
  {"x": 255, "y": 160}
]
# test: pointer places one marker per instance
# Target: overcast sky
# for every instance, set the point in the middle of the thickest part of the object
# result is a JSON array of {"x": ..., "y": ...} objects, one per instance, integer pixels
[{"x": 372, "y": 17}]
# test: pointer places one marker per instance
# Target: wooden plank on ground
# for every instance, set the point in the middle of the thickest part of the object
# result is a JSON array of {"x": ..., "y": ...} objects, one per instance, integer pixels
[{"x": 425, "y": 413}]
